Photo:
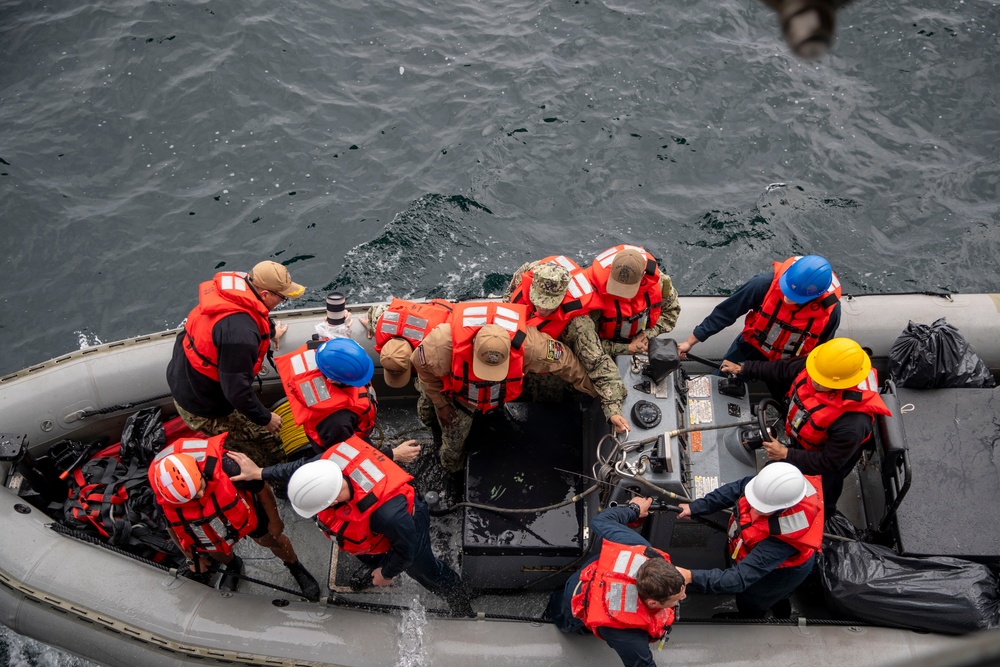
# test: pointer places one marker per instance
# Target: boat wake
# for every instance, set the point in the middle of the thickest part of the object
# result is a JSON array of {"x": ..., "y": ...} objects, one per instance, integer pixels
[{"x": 410, "y": 639}]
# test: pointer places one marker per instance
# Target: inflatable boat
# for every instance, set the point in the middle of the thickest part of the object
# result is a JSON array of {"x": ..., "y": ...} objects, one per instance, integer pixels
[{"x": 108, "y": 605}]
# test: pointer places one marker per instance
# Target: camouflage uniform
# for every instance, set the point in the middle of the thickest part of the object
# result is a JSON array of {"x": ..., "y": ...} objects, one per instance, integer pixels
[
  {"x": 244, "y": 436},
  {"x": 372, "y": 317},
  {"x": 670, "y": 310},
  {"x": 580, "y": 335},
  {"x": 451, "y": 450},
  {"x": 433, "y": 358}
]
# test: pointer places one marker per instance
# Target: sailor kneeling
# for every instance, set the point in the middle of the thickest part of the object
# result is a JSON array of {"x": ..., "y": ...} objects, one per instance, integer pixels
[
  {"x": 207, "y": 513},
  {"x": 626, "y": 594},
  {"x": 774, "y": 534}
]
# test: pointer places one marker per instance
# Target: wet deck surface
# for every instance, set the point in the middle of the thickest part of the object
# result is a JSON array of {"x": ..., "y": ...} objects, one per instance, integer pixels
[{"x": 399, "y": 421}]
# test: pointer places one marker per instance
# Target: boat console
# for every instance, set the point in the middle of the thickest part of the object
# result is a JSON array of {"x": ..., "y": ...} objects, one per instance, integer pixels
[{"x": 689, "y": 440}]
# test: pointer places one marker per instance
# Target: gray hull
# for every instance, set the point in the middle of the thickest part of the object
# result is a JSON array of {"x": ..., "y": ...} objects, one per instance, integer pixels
[{"x": 117, "y": 611}]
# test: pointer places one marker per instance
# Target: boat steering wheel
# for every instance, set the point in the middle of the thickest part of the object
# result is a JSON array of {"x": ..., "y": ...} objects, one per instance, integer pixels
[{"x": 766, "y": 429}]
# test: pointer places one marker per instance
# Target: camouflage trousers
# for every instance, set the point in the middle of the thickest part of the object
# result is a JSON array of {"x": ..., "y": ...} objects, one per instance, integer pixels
[
  {"x": 452, "y": 452},
  {"x": 244, "y": 436}
]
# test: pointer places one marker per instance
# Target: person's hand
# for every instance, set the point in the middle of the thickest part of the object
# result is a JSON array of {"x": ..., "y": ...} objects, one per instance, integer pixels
[
  {"x": 406, "y": 452},
  {"x": 685, "y": 512},
  {"x": 686, "y": 574},
  {"x": 775, "y": 450},
  {"x": 643, "y": 504},
  {"x": 639, "y": 344},
  {"x": 274, "y": 425},
  {"x": 730, "y": 367},
  {"x": 249, "y": 471},
  {"x": 446, "y": 415},
  {"x": 619, "y": 424},
  {"x": 279, "y": 330},
  {"x": 685, "y": 346},
  {"x": 379, "y": 580}
]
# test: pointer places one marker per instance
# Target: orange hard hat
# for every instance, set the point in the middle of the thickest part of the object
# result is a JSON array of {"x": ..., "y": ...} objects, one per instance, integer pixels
[{"x": 176, "y": 479}]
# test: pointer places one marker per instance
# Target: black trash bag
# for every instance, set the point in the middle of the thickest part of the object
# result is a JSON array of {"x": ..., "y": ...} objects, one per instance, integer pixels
[
  {"x": 838, "y": 524},
  {"x": 143, "y": 436},
  {"x": 937, "y": 594},
  {"x": 664, "y": 358},
  {"x": 936, "y": 356}
]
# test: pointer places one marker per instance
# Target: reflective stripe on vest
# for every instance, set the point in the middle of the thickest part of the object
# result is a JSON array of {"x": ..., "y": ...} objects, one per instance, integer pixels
[
  {"x": 342, "y": 454},
  {"x": 606, "y": 258},
  {"x": 413, "y": 326},
  {"x": 233, "y": 282},
  {"x": 625, "y": 597},
  {"x": 505, "y": 317},
  {"x": 196, "y": 449},
  {"x": 304, "y": 362}
]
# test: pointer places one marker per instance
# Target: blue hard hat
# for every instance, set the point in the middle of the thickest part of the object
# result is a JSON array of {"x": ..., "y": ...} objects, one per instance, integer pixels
[
  {"x": 809, "y": 277},
  {"x": 343, "y": 360}
]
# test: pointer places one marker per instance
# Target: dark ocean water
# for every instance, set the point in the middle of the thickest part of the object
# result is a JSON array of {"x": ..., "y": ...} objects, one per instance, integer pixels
[{"x": 428, "y": 148}]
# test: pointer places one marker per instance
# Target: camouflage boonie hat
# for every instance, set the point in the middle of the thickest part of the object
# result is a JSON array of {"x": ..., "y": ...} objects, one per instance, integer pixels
[
  {"x": 548, "y": 286},
  {"x": 372, "y": 318}
]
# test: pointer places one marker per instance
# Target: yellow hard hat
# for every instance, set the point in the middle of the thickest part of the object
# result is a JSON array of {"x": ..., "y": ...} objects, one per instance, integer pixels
[{"x": 838, "y": 363}]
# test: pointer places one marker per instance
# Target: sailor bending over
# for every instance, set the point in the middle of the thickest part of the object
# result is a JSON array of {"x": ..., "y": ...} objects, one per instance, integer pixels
[
  {"x": 774, "y": 535},
  {"x": 626, "y": 593}
]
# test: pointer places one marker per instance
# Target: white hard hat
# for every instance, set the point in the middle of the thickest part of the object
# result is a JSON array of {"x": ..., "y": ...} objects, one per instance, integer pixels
[
  {"x": 778, "y": 486},
  {"x": 314, "y": 487}
]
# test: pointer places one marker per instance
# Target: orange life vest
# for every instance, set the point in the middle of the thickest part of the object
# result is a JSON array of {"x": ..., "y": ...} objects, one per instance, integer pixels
[
  {"x": 462, "y": 384},
  {"x": 620, "y": 320},
  {"x": 579, "y": 299},
  {"x": 313, "y": 397},
  {"x": 226, "y": 294},
  {"x": 801, "y": 526},
  {"x": 811, "y": 412},
  {"x": 223, "y": 515},
  {"x": 607, "y": 596},
  {"x": 410, "y": 320},
  {"x": 375, "y": 480},
  {"x": 782, "y": 331}
]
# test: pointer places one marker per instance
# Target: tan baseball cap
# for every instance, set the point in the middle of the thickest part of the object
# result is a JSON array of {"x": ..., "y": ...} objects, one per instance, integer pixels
[
  {"x": 396, "y": 366},
  {"x": 626, "y": 274},
  {"x": 274, "y": 277},
  {"x": 548, "y": 286},
  {"x": 492, "y": 353}
]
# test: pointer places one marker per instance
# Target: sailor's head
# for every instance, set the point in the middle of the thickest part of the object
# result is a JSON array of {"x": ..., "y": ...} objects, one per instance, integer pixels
[
  {"x": 627, "y": 271},
  {"x": 808, "y": 278},
  {"x": 777, "y": 487},
  {"x": 316, "y": 486},
  {"x": 176, "y": 479},
  {"x": 395, "y": 359},
  {"x": 659, "y": 584},
  {"x": 548, "y": 288},
  {"x": 839, "y": 363},
  {"x": 274, "y": 284},
  {"x": 491, "y": 360}
]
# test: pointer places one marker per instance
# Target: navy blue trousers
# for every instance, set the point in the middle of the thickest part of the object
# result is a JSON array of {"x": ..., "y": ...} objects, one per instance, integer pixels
[{"x": 426, "y": 569}]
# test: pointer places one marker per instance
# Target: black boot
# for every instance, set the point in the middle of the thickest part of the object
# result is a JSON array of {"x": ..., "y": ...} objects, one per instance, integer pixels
[
  {"x": 231, "y": 577},
  {"x": 200, "y": 577},
  {"x": 307, "y": 583}
]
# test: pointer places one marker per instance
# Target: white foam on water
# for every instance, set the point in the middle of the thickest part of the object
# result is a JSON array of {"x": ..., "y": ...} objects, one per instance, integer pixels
[
  {"x": 86, "y": 339},
  {"x": 410, "y": 639},
  {"x": 19, "y": 651}
]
